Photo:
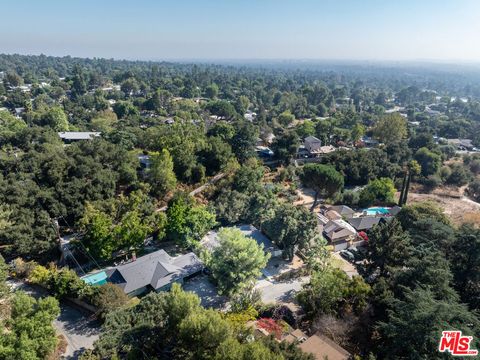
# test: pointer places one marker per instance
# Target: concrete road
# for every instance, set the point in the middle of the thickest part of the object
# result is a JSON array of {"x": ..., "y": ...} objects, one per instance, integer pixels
[{"x": 79, "y": 330}]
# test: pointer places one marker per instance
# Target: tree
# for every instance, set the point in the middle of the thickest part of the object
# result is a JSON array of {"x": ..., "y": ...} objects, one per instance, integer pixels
[
  {"x": 286, "y": 118},
  {"x": 291, "y": 228},
  {"x": 429, "y": 161},
  {"x": 173, "y": 325},
  {"x": 390, "y": 128},
  {"x": 231, "y": 206},
  {"x": 474, "y": 189},
  {"x": 421, "y": 140},
  {"x": 187, "y": 222},
  {"x": 201, "y": 333},
  {"x": 124, "y": 109},
  {"x": 285, "y": 147},
  {"x": 379, "y": 191},
  {"x": 109, "y": 297},
  {"x": 4, "y": 289},
  {"x": 459, "y": 175},
  {"x": 465, "y": 263},
  {"x": 305, "y": 129},
  {"x": 413, "y": 169},
  {"x": 13, "y": 79},
  {"x": 418, "y": 319},
  {"x": 222, "y": 108},
  {"x": 161, "y": 175},
  {"x": 323, "y": 179},
  {"x": 56, "y": 119},
  {"x": 121, "y": 224},
  {"x": 97, "y": 227},
  {"x": 242, "y": 104},
  {"x": 426, "y": 211},
  {"x": 217, "y": 155},
  {"x": 357, "y": 132},
  {"x": 79, "y": 84},
  {"x": 236, "y": 261},
  {"x": 223, "y": 130},
  {"x": 331, "y": 291},
  {"x": 130, "y": 86},
  {"x": 388, "y": 248},
  {"x": 211, "y": 91},
  {"x": 9, "y": 126},
  {"x": 244, "y": 140},
  {"x": 29, "y": 333}
]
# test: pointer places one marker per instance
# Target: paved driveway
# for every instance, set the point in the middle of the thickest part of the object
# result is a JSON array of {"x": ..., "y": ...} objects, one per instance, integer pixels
[
  {"x": 206, "y": 291},
  {"x": 79, "y": 330},
  {"x": 343, "y": 264},
  {"x": 280, "y": 291}
]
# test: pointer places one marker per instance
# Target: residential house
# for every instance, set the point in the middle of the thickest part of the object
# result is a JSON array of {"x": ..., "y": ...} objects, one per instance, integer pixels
[
  {"x": 339, "y": 233},
  {"x": 394, "y": 210},
  {"x": 327, "y": 149},
  {"x": 332, "y": 215},
  {"x": 313, "y": 145},
  {"x": 264, "y": 152},
  {"x": 461, "y": 144},
  {"x": 250, "y": 115},
  {"x": 72, "y": 136},
  {"x": 343, "y": 210},
  {"x": 145, "y": 162},
  {"x": 369, "y": 142},
  {"x": 364, "y": 223},
  {"x": 432, "y": 112},
  {"x": 319, "y": 346},
  {"x": 19, "y": 111},
  {"x": 322, "y": 219},
  {"x": 156, "y": 271},
  {"x": 323, "y": 348}
]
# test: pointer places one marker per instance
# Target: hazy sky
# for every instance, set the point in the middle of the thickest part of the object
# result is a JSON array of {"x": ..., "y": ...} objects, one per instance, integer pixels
[{"x": 244, "y": 29}]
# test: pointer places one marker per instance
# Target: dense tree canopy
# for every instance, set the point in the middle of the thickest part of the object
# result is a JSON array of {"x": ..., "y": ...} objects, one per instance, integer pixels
[{"x": 237, "y": 261}]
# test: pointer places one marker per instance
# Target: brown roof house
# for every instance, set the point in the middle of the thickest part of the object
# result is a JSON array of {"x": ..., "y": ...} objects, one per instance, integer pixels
[
  {"x": 323, "y": 348},
  {"x": 343, "y": 210},
  {"x": 339, "y": 233}
]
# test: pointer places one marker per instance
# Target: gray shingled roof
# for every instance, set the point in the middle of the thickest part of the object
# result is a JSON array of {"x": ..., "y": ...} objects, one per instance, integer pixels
[
  {"x": 395, "y": 210},
  {"x": 364, "y": 223},
  {"x": 312, "y": 139},
  {"x": 343, "y": 210},
  {"x": 156, "y": 269}
]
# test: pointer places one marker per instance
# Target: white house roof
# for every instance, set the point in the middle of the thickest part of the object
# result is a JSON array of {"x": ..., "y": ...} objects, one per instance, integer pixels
[{"x": 78, "y": 135}]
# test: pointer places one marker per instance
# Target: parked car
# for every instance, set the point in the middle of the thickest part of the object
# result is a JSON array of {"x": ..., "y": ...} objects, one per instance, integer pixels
[{"x": 347, "y": 255}]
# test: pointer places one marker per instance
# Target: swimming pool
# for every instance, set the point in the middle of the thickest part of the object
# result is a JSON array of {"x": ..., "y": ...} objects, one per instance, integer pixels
[
  {"x": 377, "y": 211},
  {"x": 99, "y": 278}
]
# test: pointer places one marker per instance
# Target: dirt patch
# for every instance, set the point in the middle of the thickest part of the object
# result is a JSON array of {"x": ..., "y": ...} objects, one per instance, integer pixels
[
  {"x": 306, "y": 197},
  {"x": 457, "y": 207}
]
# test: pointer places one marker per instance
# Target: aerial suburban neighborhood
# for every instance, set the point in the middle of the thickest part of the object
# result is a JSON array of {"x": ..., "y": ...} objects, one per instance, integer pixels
[{"x": 239, "y": 180}]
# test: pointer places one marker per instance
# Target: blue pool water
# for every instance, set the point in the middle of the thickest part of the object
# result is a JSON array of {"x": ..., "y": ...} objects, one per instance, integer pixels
[
  {"x": 377, "y": 210},
  {"x": 99, "y": 278}
]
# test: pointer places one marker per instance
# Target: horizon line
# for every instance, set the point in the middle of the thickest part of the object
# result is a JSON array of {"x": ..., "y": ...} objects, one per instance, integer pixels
[{"x": 260, "y": 59}]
